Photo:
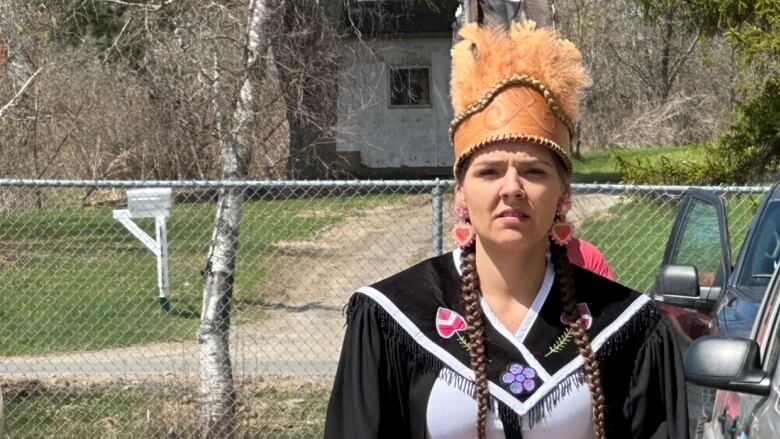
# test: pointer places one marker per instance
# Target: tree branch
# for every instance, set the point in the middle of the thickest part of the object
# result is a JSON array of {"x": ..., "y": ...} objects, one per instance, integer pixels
[
  {"x": 13, "y": 102},
  {"x": 681, "y": 60},
  {"x": 62, "y": 142},
  {"x": 116, "y": 40},
  {"x": 647, "y": 80},
  {"x": 140, "y": 5}
]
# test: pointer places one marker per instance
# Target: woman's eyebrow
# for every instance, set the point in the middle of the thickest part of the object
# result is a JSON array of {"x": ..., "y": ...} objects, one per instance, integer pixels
[
  {"x": 491, "y": 162},
  {"x": 500, "y": 162},
  {"x": 536, "y": 162}
]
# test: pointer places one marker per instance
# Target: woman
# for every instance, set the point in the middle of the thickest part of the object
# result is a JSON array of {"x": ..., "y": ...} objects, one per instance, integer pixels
[
  {"x": 504, "y": 337},
  {"x": 584, "y": 254}
]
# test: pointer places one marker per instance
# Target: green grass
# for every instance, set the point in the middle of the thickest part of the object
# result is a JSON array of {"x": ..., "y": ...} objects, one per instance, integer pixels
[
  {"x": 75, "y": 279},
  {"x": 739, "y": 211},
  {"x": 633, "y": 235},
  {"x": 601, "y": 166},
  {"x": 111, "y": 411}
]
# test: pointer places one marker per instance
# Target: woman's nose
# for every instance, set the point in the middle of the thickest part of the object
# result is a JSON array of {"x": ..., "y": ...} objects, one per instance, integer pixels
[{"x": 512, "y": 188}]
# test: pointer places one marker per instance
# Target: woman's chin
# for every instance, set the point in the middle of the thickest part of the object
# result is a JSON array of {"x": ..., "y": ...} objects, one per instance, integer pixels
[{"x": 512, "y": 240}]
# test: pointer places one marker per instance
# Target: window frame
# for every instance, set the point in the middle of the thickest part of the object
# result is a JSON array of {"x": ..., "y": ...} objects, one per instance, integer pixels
[
  {"x": 689, "y": 198},
  {"x": 769, "y": 318},
  {"x": 391, "y": 69},
  {"x": 747, "y": 266}
]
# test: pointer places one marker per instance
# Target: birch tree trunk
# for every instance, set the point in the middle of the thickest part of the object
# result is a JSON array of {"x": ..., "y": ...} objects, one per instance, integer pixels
[{"x": 218, "y": 395}]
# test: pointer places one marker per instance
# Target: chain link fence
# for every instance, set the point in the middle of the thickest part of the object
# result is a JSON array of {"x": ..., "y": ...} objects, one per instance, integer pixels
[{"x": 86, "y": 350}]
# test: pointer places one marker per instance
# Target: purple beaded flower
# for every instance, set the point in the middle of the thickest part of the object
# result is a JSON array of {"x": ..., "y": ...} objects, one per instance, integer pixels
[{"x": 519, "y": 379}]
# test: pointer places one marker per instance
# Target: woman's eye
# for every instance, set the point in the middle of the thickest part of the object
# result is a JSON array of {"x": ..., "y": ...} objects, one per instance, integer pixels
[{"x": 486, "y": 172}]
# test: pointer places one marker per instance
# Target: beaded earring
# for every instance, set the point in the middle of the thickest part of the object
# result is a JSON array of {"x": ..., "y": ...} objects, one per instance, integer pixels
[
  {"x": 463, "y": 232},
  {"x": 562, "y": 230}
]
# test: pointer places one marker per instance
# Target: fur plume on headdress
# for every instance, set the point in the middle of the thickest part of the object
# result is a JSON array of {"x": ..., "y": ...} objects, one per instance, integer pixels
[{"x": 487, "y": 55}]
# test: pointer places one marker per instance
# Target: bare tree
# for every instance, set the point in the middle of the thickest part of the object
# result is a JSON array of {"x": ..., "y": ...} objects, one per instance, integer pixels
[
  {"x": 12, "y": 55},
  {"x": 306, "y": 57},
  {"x": 217, "y": 391},
  {"x": 15, "y": 64},
  {"x": 20, "y": 94},
  {"x": 651, "y": 78},
  {"x": 656, "y": 53}
]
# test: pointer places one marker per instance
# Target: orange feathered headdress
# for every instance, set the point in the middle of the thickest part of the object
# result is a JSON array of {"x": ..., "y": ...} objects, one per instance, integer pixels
[{"x": 519, "y": 84}]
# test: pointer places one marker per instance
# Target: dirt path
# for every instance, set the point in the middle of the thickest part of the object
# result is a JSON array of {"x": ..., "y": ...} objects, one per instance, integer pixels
[
  {"x": 301, "y": 332},
  {"x": 302, "y": 329}
]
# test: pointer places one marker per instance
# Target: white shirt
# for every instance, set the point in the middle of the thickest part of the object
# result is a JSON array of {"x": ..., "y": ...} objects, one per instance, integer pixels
[{"x": 452, "y": 414}]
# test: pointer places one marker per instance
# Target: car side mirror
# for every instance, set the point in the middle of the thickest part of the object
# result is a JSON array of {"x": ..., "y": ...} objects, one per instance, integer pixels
[
  {"x": 727, "y": 363},
  {"x": 678, "y": 280},
  {"x": 678, "y": 285}
]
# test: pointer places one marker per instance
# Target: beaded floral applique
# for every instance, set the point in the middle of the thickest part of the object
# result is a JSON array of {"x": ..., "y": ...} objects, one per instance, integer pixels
[
  {"x": 449, "y": 323},
  {"x": 584, "y": 311},
  {"x": 560, "y": 343},
  {"x": 565, "y": 338},
  {"x": 519, "y": 379}
]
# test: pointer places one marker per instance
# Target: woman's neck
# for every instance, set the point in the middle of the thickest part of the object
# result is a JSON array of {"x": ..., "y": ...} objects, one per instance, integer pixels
[{"x": 510, "y": 275}]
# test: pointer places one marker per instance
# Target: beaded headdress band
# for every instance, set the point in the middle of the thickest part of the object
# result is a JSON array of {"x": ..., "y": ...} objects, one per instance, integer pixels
[{"x": 512, "y": 84}]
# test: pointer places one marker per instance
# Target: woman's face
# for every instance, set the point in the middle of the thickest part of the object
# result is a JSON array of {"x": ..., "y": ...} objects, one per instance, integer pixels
[{"x": 512, "y": 193}]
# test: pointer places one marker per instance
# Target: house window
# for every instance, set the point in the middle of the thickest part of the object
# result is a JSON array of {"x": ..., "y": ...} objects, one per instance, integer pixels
[{"x": 410, "y": 87}]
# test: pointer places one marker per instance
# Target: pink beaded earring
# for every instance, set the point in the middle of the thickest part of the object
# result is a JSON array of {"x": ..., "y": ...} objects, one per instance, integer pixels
[
  {"x": 562, "y": 230},
  {"x": 463, "y": 232}
]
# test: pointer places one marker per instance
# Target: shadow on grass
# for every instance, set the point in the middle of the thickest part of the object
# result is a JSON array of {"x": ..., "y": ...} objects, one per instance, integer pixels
[
  {"x": 263, "y": 304},
  {"x": 185, "y": 313},
  {"x": 597, "y": 177}
]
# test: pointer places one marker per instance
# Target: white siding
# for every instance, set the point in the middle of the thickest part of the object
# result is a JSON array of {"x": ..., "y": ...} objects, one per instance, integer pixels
[{"x": 394, "y": 137}]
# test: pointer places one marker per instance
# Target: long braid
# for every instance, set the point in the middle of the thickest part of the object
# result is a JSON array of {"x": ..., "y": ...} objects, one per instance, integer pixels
[
  {"x": 470, "y": 295},
  {"x": 564, "y": 276}
]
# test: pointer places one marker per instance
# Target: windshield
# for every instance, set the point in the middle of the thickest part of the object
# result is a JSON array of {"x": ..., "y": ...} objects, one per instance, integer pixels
[{"x": 764, "y": 252}]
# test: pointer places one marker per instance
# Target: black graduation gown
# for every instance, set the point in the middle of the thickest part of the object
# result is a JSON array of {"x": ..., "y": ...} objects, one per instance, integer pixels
[{"x": 394, "y": 350}]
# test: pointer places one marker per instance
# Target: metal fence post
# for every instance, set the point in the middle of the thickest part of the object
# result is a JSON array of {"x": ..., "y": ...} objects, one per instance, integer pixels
[
  {"x": 437, "y": 218},
  {"x": 162, "y": 262}
]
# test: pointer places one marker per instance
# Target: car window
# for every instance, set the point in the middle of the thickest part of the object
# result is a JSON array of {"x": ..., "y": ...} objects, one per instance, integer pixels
[
  {"x": 763, "y": 254},
  {"x": 700, "y": 244},
  {"x": 767, "y": 326}
]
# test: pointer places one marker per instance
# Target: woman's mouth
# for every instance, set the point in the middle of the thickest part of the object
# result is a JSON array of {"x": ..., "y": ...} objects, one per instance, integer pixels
[{"x": 512, "y": 216}]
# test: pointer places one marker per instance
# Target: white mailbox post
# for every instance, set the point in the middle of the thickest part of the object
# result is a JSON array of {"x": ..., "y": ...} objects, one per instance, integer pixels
[{"x": 150, "y": 203}]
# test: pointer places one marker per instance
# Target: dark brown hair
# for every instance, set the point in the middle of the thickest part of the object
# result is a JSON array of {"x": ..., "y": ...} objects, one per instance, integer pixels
[
  {"x": 565, "y": 277},
  {"x": 470, "y": 295}
]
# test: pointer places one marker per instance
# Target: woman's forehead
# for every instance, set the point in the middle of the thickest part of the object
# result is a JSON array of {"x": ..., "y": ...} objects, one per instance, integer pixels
[{"x": 513, "y": 152}]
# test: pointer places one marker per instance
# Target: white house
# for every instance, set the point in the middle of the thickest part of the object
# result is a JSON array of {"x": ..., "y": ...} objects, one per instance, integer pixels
[{"x": 393, "y": 97}]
